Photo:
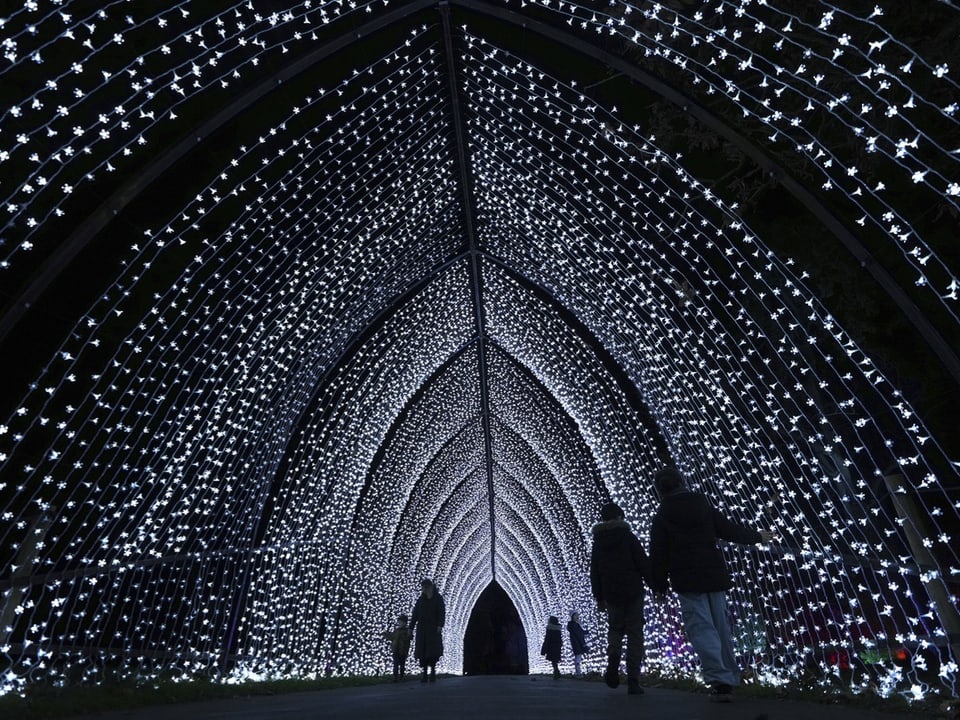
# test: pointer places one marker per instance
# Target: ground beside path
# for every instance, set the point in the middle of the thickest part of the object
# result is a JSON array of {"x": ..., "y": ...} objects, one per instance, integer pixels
[{"x": 503, "y": 697}]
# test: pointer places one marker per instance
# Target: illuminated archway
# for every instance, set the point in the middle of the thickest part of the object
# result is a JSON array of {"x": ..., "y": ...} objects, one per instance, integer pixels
[{"x": 308, "y": 302}]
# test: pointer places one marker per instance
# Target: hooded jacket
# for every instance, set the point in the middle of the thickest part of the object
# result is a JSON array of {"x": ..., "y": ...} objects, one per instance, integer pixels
[
  {"x": 683, "y": 544},
  {"x": 618, "y": 564}
]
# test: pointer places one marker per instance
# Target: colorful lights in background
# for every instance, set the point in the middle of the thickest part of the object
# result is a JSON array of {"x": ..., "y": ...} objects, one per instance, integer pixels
[{"x": 293, "y": 376}]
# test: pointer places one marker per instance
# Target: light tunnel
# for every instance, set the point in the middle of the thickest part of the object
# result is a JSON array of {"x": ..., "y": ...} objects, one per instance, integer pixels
[{"x": 305, "y": 301}]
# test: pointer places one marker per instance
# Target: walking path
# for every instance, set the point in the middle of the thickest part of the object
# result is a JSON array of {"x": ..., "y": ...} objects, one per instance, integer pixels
[{"x": 499, "y": 697}]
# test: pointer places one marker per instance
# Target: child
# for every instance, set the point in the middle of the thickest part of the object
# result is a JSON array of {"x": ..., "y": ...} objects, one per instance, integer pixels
[
  {"x": 553, "y": 645},
  {"x": 399, "y": 639},
  {"x": 578, "y": 643}
]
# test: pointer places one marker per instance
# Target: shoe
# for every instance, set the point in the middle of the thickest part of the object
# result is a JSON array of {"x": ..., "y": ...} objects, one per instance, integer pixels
[
  {"x": 722, "y": 693},
  {"x": 633, "y": 687},
  {"x": 611, "y": 676},
  {"x": 433, "y": 675},
  {"x": 423, "y": 677}
]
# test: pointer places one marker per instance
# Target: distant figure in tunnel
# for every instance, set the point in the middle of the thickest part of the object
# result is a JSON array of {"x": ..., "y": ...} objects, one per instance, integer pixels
[
  {"x": 618, "y": 568},
  {"x": 683, "y": 549},
  {"x": 552, "y": 647},
  {"x": 429, "y": 614},
  {"x": 399, "y": 639},
  {"x": 578, "y": 642}
]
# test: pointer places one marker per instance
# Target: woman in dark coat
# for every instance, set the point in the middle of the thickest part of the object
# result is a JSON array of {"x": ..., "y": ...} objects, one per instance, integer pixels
[
  {"x": 552, "y": 646},
  {"x": 427, "y": 620}
]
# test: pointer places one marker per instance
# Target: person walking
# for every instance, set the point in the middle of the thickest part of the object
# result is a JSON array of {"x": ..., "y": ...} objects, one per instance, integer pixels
[
  {"x": 618, "y": 568},
  {"x": 684, "y": 553},
  {"x": 578, "y": 642},
  {"x": 429, "y": 614},
  {"x": 399, "y": 639},
  {"x": 552, "y": 646}
]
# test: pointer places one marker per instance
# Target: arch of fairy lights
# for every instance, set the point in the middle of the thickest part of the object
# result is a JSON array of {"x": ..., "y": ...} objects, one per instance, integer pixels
[{"x": 241, "y": 467}]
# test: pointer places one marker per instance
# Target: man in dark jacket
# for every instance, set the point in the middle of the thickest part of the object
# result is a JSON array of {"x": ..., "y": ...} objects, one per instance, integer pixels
[
  {"x": 683, "y": 548},
  {"x": 618, "y": 568}
]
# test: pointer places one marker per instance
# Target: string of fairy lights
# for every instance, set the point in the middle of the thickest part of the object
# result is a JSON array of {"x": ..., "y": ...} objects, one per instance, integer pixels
[
  {"x": 856, "y": 73},
  {"x": 106, "y": 110},
  {"x": 244, "y": 454}
]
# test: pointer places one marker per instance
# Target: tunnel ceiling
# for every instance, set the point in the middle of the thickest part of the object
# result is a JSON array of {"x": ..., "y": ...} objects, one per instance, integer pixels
[{"x": 304, "y": 301}]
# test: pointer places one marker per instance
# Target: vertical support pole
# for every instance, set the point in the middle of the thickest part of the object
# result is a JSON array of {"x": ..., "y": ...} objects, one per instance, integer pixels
[{"x": 463, "y": 162}]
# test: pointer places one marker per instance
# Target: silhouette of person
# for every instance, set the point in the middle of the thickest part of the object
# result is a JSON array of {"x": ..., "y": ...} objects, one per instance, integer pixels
[{"x": 429, "y": 614}]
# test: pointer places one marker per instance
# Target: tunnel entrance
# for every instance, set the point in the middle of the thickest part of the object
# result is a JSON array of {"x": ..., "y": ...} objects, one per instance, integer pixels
[{"x": 495, "y": 642}]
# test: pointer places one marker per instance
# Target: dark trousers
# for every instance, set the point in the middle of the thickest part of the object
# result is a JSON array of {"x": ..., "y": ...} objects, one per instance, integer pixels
[{"x": 626, "y": 620}]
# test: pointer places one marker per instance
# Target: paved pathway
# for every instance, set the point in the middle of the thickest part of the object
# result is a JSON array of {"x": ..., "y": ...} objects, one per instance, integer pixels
[{"x": 496, "y": 697}]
